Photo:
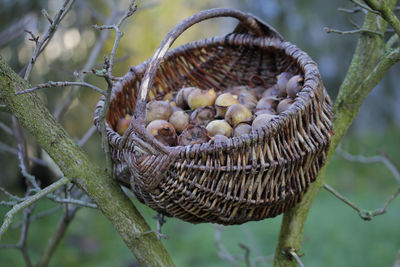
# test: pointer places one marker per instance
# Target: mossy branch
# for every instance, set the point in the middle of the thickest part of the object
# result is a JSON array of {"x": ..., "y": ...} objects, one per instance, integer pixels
[
  {"x": 369, "y": 65},
  {"x": 74, "y": 163}
]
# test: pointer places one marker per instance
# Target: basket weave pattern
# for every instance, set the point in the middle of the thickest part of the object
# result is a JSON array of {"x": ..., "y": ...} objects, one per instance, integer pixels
[{"x": 250, "y": 177}]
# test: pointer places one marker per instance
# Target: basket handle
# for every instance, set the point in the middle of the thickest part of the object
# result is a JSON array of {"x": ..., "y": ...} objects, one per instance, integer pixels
[{"x": 248, "y": 22}]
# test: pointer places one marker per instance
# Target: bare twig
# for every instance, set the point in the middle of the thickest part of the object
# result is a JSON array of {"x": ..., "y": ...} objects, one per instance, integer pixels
[
  {"x": 364, "y": 214},
  {"x": 24, "y": 172},
  {"x": 58, "y": 235},
  {"x": 61, "y": 84},
  {"x": 33, "y": 37},
  {"x": 42, "y": 43},
  {"x": 29, "y": 201},
  {"x": 9, "y": 149},
  {"x": 160, "y": 222},
  {"x": 74, "y": 201},
  {"x": 24, "y": 235},
  {"x": 5, "y": 128},
  {"x": 39, "y": 215},
  {"x": 329, "y": 30},
  {"x": 374, "y": 159},
  {"x": 356, "y": 2},
  {"x": 223, "y": 253},
  {"x": 69, "y": 97},
  {"x": 118, "y": 34},
  {"x": 293, "y": 253},
  {"x": 350, "y": 11},
  {"x": 16, "y": 29},
  {"x": 86, "y": 136},
  {"x": 246, "y": 254}
]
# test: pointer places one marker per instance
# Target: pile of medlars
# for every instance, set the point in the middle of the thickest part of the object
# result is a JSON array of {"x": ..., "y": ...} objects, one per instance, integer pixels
[{"x": 194, "y": 116}]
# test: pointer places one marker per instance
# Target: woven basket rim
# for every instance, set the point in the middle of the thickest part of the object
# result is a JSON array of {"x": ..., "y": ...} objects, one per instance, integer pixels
[{"x": 304, "y": 98}]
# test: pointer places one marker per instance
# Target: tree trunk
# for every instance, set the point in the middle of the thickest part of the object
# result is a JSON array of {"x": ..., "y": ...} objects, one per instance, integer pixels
[{"x": 75, "y": 165}]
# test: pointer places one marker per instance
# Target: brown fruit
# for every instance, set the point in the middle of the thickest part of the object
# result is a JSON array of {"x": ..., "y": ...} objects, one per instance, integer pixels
[
  {"x": 248, "y": 100},
  {"x": 168, "y": 97},
  {"x": 123, "y": 124},
  {"x": 294, "y": 86},
  {"x": 241, "y": 129},
  {"x": 262, "y": 120},
  {"x": 201, "y": 98},
  {"x": 265, "y": 111},
  {"x": 271, "y": 91},
  {"x": 219, "y": 127},
  {"x": 182, "y": 96},
  {"x": 202, "y": 116},
  {"x": 284, "y": 105},
  {"x": 223, "y": 101},
  {"x": 238, "y": 113},
  {"x": 282, "y": 80},
  {"x": 237, "y": 90},
  {"x": 158, "y": 110},
  {"x": 193, "y": 135},
  {"x": 267, "y": 102},
  {"x": 163, "y": 131},
  {"x": 219, "y": 138},
  {"x": 179, "y": 119}
]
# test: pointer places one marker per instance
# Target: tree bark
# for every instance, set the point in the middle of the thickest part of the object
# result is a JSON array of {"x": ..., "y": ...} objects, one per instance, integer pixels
[
  {"x": 75, "y": 165},
  {"x": 369, "y": 65}
]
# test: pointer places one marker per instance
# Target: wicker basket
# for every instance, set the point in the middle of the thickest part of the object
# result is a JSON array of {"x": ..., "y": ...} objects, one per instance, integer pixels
[{"x": 247, "y": 178}]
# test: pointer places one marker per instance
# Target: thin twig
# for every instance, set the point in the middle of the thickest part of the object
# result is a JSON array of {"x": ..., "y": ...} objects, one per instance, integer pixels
[
  {"x": 24, "y": 236},
  {"x": 373, "y": 159},
  {"x": 364, "y": 214},
  {"x": 8, "y": 194},
  {"x": 22, "y": 165},
  {"x": 356, "y": 31},
  {"x": 246, "y": 254},
  {"x": 293, "y": 253},
  {"x": 61, "y": 84},
  {"x": 69, "y": 97},
  {"x": 5, "y": 128},
  {"x": 47, "y": 36},
  {"x": 118, "y": 34},
  {"x": 356, "y": 2},
  {"x": 350, "y": 11},
  {"x": 39, "y": 215},
  {"x": 58, "y": 235},
  {"x": 74, "y": 201},
  {"x": 9, "y": 149},
  {"x": 29, "y": 201},
  {"x": 86, "y": 136},
  {"x": 222, "y": 251}
]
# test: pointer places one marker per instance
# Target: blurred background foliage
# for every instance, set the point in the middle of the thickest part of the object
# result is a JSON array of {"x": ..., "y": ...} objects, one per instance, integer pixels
[{"x": 334, "y": 234}]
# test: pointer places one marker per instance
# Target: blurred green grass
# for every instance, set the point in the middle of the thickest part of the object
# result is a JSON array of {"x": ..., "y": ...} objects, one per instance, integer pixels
[{"x": 334, "y": 234}]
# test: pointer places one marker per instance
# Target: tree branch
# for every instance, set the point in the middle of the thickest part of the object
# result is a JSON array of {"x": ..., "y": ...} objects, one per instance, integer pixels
[
  {"x": 29, "y": 201},
  {"x": 105, "y": 192},
  {"x": 363, "y": 75},
  {"x": 61, "y": 84}
]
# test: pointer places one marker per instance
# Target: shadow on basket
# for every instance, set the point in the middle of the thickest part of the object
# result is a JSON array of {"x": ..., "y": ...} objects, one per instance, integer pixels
[{"x": 181, "y": 151}]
